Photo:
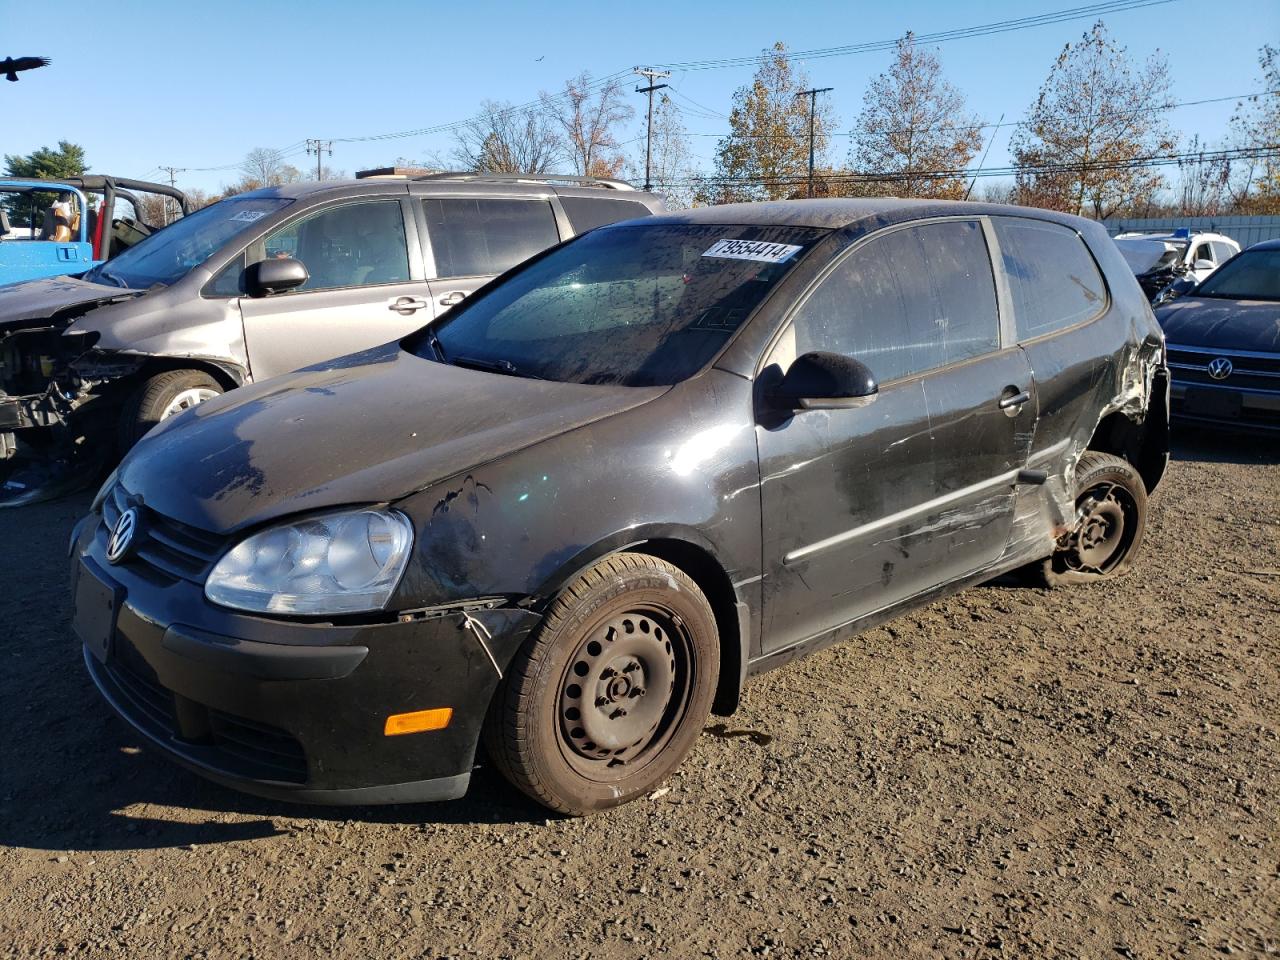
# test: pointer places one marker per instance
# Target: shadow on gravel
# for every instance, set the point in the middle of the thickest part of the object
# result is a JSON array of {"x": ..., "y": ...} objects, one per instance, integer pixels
[{"x": 1209, "y": 445}]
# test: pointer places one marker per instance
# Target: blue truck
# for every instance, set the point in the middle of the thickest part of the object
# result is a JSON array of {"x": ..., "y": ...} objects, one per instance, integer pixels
[{"x": 53, "y": 227}]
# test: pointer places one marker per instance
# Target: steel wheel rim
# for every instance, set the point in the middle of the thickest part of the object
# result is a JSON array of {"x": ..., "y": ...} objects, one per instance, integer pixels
[
  {"x": 186, "y": 399},
  {"x": 624, "y": 691},
  {"x": 1107, "y": 523}
]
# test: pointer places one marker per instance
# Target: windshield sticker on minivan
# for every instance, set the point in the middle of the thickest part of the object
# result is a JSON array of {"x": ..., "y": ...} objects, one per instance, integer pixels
[
  {"x": 752, "y": 250},
  {"x": 248, "y": 216}
]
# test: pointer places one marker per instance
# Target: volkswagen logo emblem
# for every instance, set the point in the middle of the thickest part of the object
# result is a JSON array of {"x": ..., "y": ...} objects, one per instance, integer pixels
[
  {"x": 122, "y": 536},
  {"x": 1220, "y": 368}
]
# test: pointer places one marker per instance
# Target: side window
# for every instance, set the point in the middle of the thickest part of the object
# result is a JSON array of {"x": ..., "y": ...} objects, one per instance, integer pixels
[
  {"x": 1052, "y": 276},
  {"x": 229, "y": 282},
  {"x": 586, "y": 213},
  {"x": 483, "y": 237},
  {"x": 1223, "y": 251},
  {"x": 906, "y": 302},
  {"x": 354, "y": 245},
  {"x": 1202, "y": 253}
]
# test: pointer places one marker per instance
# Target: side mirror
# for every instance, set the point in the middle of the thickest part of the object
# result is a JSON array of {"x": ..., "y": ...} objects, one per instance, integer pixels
[
  {"x": 826, "y": 381},
  {"x": 269, "y": 277},
  {"x": 1203, "y": 265}
]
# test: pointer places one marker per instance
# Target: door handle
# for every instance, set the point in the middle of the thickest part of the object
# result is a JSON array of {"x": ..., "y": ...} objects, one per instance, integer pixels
[
  {"x": 1016, "y": 400},
  {"x": 449, "y": 299},
  {"x": 407, "y": 305}
]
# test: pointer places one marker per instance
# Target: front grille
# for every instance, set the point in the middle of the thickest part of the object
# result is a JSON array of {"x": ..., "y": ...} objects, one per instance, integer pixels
[
  {"x": 170, "y": 550},
  {"x": 212, "y": 738},
  {"x": 1191, "y": 365}
]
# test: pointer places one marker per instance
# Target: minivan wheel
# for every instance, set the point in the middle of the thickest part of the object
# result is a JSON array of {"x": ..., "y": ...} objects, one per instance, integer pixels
[
  {"x": 1111, "y": 512},
  {"x": 160, "y": 397},
  {"x": 605, "y": 700}
]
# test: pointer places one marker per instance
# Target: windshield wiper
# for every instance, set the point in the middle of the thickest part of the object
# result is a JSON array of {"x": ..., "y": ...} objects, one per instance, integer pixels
[
  {"x": 113, "y": 278},
  {"x": 434, "y": 343},
  {"x": 494, "y": 366}
]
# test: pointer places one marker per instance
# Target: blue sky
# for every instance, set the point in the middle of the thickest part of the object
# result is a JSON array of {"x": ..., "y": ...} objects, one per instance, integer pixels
[{"x": 198, "y": 85}]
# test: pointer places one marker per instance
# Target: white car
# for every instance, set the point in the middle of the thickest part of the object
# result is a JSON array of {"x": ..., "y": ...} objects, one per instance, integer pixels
[{"x": 1178, "y": 252}]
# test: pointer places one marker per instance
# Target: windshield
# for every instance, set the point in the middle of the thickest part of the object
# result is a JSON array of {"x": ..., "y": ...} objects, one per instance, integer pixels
[
  {"x": 167, "y": 256},
  {"x": 1249, "y": 276},
  {"x": 632, "y": 305}
]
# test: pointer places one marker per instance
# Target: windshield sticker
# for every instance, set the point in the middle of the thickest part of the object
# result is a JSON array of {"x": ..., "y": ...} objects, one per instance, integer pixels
[
  {"x": 752, "y": 250},
  {"x": 248, "y": 216}
]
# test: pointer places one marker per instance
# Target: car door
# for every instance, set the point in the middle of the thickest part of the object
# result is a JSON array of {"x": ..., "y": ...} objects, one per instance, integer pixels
[
  {"x": 866, "y": 506},
  {"x": 1202, "y": 252},
  {"x": 473, "y": 239},
  {"x": 366, "y": 286}
]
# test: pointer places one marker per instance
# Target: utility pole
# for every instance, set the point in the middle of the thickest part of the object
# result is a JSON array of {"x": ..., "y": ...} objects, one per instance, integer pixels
[
  {"x": 813, "y": 107},
  {"x": 319, "y": 147},
  {"x": 652, "y": 75},
  {"x": 172, "y": 171}
]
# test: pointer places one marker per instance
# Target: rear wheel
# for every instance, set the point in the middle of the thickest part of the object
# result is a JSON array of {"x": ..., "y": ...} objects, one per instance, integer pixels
[
  {"x": 163, "y": 396},
  {"x": 1111, "y": 518},
  {"x": 608, "y": 697}
]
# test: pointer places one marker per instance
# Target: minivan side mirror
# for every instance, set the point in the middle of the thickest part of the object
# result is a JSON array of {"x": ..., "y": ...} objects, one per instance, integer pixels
[
  {"x": 277, "y": 275},
  {"x": 825, "y": 381}
]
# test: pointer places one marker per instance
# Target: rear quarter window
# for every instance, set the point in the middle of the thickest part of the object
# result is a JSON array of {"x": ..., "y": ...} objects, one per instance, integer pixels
[
  {"x": 1053, "y": 278},
  {"x": 587, "y": 213}
]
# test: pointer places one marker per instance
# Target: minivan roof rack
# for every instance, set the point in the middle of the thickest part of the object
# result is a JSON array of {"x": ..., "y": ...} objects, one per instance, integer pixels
[{"x": 562, "y": 178}]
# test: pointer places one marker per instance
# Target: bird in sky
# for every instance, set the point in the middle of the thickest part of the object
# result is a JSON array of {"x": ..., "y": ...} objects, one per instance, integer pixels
[{"x": 10, "y": 66}]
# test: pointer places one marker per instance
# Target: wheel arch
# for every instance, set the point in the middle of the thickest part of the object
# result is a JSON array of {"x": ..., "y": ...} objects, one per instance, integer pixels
[
  {"x": 1144, "y": 441},
  {"x": 229, "y": 376},
  {"x": 693, "y": 554}
]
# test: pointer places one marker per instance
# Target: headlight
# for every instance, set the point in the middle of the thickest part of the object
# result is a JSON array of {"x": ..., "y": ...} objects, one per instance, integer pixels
[{"x": 347, "y": 561}]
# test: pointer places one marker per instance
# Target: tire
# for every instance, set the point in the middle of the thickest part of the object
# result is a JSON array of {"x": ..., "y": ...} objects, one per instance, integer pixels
[
  {"x": 1111, "y": 503},
  {"x": 161, "y": 396},
  {"x": 630, "y": 623}
]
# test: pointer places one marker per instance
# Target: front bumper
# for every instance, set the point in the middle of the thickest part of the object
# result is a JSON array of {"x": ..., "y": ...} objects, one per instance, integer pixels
[
  {"x": 288, "y": 709},
  {"x": 1238, "y": 407}
]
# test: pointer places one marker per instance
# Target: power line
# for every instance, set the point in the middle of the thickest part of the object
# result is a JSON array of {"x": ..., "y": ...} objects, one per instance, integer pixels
[
  {"x": 813, "y": 109},
  {"x": 320, "y": 146},
  {"x": 652, "y": 75}
]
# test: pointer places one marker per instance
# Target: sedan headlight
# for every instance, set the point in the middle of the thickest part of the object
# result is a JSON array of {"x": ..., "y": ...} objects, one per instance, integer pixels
[{"x": 347, "y": 561}]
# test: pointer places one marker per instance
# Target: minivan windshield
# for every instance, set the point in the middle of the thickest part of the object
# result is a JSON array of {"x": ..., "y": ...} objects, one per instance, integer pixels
[
  {"x": 1252, "y": 275},
  {"x": 630, "y": 305},
  {"x": 167, "y": 256}
]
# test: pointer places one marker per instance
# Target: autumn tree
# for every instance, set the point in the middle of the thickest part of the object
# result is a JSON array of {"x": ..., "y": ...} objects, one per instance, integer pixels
[
  {"x": 766, "y": 154},
  {"x": 588, "y": 117},
  {"x": 1097, "y": 121},
  {"x": 913, "y": 124},
  {"x": 1254, "y": 181},
  {"x": 507, "y": 139}
]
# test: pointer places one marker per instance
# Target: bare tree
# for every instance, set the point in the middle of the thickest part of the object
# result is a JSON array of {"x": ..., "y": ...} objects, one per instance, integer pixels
[
  {"x": 1203, "y": 185},
  {"x": 264, "y": 167},
  {"x": 672, "y": 169},
  {"x": 1095, "y": 126},
  {"x": 913, "y": 124},
  {"x": 588, "y": 117},
  {"x": 507, "y": 139},
  {"x": 766, "y": 154},
  {"x": 1254, "y": 182}
]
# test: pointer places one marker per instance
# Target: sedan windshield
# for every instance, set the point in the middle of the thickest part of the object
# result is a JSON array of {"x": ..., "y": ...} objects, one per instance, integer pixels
[
  {"x": 167, "y": 256},
  {"x": 1252, "y": 275},
  {"x": 631, "y": 305}
]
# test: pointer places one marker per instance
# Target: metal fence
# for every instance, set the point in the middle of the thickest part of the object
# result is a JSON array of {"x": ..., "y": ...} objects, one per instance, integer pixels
[{"x": 1243, "y": 230}]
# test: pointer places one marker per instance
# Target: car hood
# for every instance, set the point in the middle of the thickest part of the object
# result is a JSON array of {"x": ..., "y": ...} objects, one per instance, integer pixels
[
  {"x": 369, "y": 428},
  {"x": 1222, "y": 324},
  {"x": 44, "y": 299}
]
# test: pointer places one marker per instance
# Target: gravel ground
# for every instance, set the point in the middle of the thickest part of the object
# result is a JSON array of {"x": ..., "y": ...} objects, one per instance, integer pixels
[{"x": 1011, "y": 772}]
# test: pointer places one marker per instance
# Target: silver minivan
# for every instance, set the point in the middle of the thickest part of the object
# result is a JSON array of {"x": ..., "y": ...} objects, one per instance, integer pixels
[{"x": 254, "y": 286}]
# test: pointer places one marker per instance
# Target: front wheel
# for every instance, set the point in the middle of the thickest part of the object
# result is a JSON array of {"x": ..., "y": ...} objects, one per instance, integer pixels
[
  {"x": 608, "y": 696},
  {"x": 1111, "y": 518},
  {"x": 163, "y": 396}
]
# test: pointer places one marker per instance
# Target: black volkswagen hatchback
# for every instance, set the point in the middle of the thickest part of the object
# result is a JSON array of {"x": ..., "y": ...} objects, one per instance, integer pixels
[{"x": 575, "y": 513}]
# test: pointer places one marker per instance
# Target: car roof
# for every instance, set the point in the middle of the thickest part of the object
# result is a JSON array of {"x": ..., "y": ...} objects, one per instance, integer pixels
[
  {"x": 1273, "y": 244},
  {"x": 398, "y": 185},
  {"x": 840, "y": 213}
]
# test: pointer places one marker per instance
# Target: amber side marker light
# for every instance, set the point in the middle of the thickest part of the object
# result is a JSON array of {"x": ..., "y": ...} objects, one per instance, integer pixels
[{"x": 417, "y": 722}]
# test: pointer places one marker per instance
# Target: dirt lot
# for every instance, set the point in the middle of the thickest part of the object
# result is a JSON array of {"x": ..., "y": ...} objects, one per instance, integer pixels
[{"x": 1011, "y": 772}]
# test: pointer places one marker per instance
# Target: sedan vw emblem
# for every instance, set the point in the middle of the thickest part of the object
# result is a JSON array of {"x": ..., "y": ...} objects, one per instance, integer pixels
[
  {"x": 122, "y": 536},
  {"x": 1220, "y": 368}
]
